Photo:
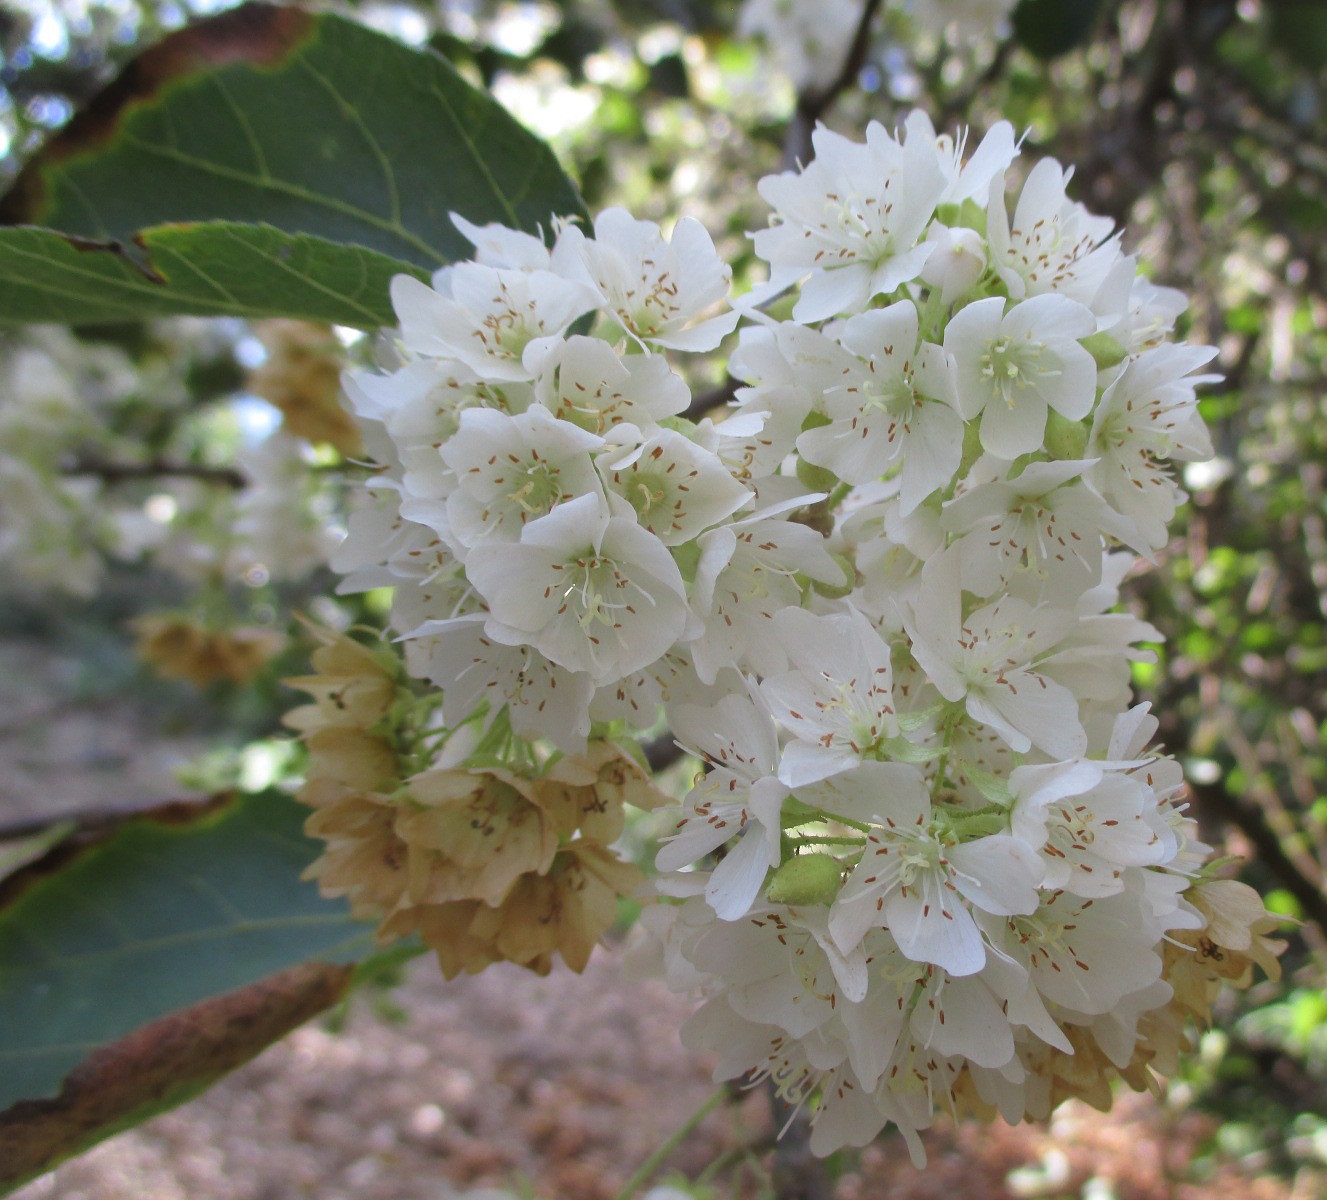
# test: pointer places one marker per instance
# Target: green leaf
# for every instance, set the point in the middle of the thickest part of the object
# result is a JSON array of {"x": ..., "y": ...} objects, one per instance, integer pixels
[
  {"x": 1050, "y": 28},
  {"x": 159, "y": 1065},
  {"x": 156, "y": 918},
  {"x": 211, "y": 269},
  {"x": 305, "y": 122}
]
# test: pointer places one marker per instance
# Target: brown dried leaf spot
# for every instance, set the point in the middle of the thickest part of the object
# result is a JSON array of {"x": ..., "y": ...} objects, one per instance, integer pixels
[{"x": 256, "y": 33}]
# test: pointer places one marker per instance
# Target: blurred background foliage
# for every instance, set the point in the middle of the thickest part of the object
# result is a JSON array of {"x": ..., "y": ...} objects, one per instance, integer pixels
[{"x": 1198, "y": 125}]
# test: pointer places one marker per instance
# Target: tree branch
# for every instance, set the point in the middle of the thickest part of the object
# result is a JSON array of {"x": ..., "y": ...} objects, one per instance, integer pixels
[
  {"x": 811, "y": 106},
  {"x": 112, "y": 472}
]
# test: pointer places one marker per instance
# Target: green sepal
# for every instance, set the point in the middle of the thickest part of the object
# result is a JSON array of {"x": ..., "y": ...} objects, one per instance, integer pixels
[
  {"x": 687, "y": 558},
  {"x": 796, "y": 813},
  {"x": 836, "y": 591},
  {"x": 909, "y": 721},
  {"x": 818, "y": 479},
  {"x": 990, "y": 785},
  {"x": 899, "y": 749}
]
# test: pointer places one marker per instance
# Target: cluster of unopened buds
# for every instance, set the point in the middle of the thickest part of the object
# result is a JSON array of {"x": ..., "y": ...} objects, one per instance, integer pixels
[{"x": 932, "y": 863}]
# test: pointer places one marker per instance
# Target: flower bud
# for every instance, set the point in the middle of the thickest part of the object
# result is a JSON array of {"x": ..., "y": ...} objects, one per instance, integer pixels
[{"x": 805, "y": 879}]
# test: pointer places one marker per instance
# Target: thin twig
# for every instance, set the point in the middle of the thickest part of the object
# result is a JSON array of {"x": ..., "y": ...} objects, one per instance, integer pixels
[
  {"x": 647, "y": 1170},
  {"x": 113, "y": 472},
  {"x": 714, "y": 398},
  {"x": 812, "y": 106}
]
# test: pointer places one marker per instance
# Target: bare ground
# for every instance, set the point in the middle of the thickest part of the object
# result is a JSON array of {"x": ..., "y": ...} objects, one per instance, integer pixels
[
  {"x": 565, "y": 1084},
  {"x": 562, "y": 1084}
]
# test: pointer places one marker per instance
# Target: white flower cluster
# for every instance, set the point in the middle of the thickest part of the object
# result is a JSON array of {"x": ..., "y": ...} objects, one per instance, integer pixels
[
  {"x": 877, "y": 599},
  {"x": 810, "y": 42},
  {"x": 52, "y": 389}
]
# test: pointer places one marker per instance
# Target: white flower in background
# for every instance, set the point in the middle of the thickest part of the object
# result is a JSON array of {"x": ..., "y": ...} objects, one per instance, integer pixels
[
  {"x": 656, "y": 287},
  {"x": 962, "y": 21},
  {"x": 809, "y": 42},
  {"x": 1015, "y": 366},
  {"x": 43, "y": 538},
  {"x": 281, "y": 519},
  {"x": 851, "y": 220}
]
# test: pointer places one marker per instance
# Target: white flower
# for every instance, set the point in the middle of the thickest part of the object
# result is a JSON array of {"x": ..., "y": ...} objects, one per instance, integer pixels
[
  {"x": 510, "y": 471},
  {"x": 1040, "y": 524},
  {"x": 497, "y": 246},
  {"x": 674, "y": 487},
  {"x": 987, "y": 660},
  {"x": 1084, "y": 954},
  {"x": 589, "y": 592},
  {"x": 957, "y": 262},
  {"x": 420, "y": 405},
  {"x": 1014, "y": 366},
  {"x": 656, "y": 288},
  {"x": 1093, "y": 824},
  {"x": 915, "y": 874},
  {"x": 889, "y": 400},
  {"x": 852, "y": 218},
  {"x": 500, "y": 323},
  {"x": 1052, "y": 244},
  {"x": 542, "y": 699},
  {"x": 1148, "y": 414},
  {"x": 838, "y": 699},
  {"x": 586, "y": 382},
  {"x": 748, "y": 571},
  {"x": 965, "y": 180},
  {"x": 740, "y": 797},
  {"x": 636, "y": 698},
  {"x": 788, "y": 367}
]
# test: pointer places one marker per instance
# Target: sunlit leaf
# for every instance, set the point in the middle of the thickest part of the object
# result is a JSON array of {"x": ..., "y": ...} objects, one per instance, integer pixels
[{"x": 306, "y": 122}]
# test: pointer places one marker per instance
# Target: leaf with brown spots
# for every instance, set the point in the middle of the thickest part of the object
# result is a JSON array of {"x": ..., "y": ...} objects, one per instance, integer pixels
[
  {"x": 308, "y": 123},
  {"x": 157, "y": 917},
  {"x": 160, "y": 1065}
]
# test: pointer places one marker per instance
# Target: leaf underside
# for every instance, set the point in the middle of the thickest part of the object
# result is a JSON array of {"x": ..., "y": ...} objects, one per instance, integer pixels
[{"x": 208, "y": 269}]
